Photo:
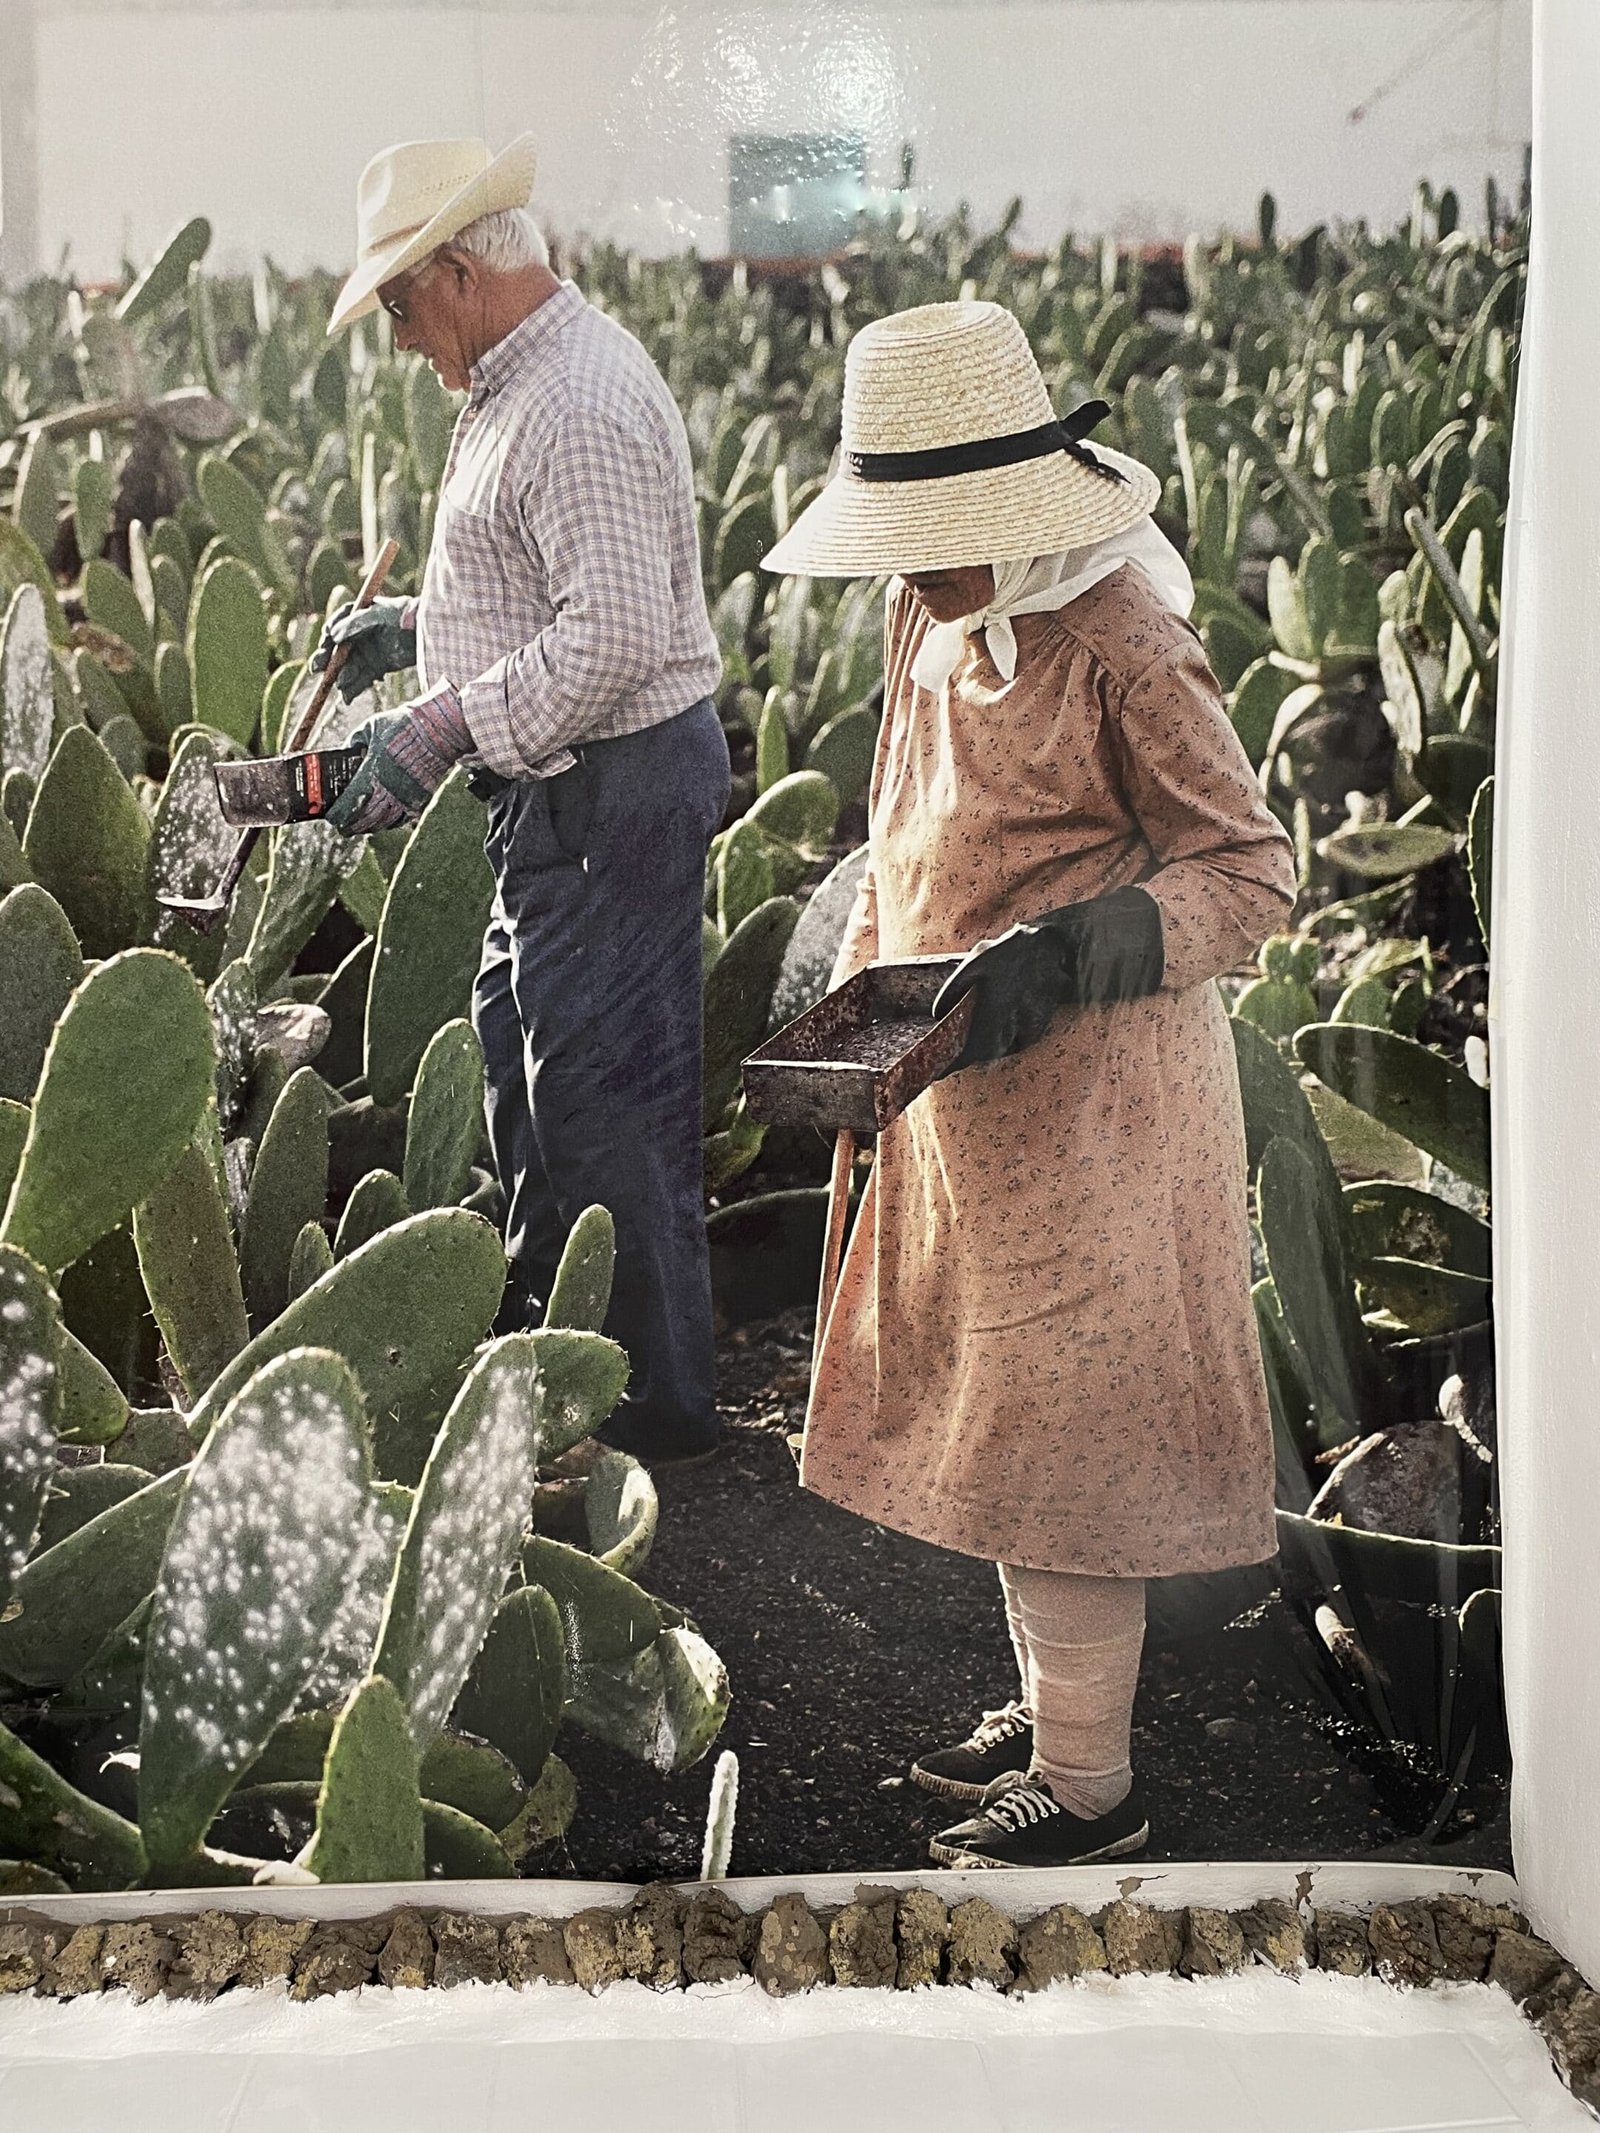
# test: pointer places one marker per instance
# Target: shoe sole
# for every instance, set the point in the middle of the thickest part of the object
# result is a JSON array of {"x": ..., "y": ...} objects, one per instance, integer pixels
[
  {"x": 954, "y": 1855},
  {"x": 948, "y": 1788}
]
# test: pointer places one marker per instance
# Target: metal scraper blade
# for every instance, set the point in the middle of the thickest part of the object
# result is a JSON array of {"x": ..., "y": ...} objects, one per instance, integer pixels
[
  {"x": 202, "y": 912},
  {"x": 255, "y": 795}
]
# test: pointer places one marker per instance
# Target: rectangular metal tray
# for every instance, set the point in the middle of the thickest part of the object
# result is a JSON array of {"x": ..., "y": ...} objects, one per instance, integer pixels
[{"x": 854, "y": 1061}]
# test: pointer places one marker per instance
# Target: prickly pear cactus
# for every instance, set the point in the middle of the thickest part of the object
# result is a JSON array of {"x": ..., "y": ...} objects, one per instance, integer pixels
[
  {"x": 445, "y": 1124},
  {"x": 41, "y": 965},
  {"x": 402, "y": 1310},
  {"x": 430, "y": 939},
  {"x": 253, "y": 1576},
  {"x": 87, "y": 841},
  {"x": 190, "y": 1271},
  {"x": 30, "y": 1403},
  {"x": 114, "y": 1110},
  {"x": 470, "y": 1516},
  {"x": 27, "y": 698},
  {"x": 369, "y": 1810}
]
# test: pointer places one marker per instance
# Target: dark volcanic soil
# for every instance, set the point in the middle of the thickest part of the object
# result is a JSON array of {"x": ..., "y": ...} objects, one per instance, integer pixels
[{"x": 850, "y": 1648}]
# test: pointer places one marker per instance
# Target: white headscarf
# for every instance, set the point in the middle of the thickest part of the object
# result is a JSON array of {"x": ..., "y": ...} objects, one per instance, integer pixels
[{"x": 1047, "y": 582}]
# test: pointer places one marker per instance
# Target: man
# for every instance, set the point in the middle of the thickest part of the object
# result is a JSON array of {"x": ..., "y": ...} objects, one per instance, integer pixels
[{"x": 565, "y": 655}]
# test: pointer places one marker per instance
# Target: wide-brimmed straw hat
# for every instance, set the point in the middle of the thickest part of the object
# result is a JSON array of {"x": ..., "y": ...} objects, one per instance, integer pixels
[
  {"x": 415, "y": 197},
  {"x": 952, "y": 456}
]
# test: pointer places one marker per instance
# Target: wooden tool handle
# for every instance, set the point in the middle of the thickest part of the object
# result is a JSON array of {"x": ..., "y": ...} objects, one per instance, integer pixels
[
  {"x": 844, "y": 1156},
  {"x": 371, "y": 586},
  {"x": 204, "y": 915}
]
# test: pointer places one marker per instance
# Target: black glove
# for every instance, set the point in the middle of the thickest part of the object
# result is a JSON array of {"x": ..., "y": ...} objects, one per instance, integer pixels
[{"x": 1107, "y": 948}]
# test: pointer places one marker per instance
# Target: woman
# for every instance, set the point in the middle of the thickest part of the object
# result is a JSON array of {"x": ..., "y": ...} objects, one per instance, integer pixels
[{"x": 1042, "y": 1349}]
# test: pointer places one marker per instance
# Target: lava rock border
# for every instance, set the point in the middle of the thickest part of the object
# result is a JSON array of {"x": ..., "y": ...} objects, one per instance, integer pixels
[{"x": 667, "y": 1938}]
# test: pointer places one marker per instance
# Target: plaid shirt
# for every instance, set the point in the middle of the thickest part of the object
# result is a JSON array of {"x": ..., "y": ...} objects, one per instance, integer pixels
[{"x": 562, "y": 597}]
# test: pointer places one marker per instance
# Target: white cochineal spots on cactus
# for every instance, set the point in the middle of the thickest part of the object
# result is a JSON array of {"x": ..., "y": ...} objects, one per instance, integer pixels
[
  {"x": 28, "y": 1373},
  {"x": 27, "y": 687},
  {"x": 191, "y": 842},
  {"x": 232, "y": 1000},
  {"x": 255, "y": 1571},
  {"x": 348, "y": 1653},
  {"x": 474, "y": 1504}
]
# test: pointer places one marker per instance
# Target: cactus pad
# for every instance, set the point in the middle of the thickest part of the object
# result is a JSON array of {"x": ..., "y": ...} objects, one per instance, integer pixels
[
  {"x": 251, "y": 1583},
  {"x": 467, "y": 1523},
  {"x": 41, "y": 965},
  {"x": 30, "y": 1403},
  {"x": 115, "y": 1109},
  {"x": 369, "y": 1811}
]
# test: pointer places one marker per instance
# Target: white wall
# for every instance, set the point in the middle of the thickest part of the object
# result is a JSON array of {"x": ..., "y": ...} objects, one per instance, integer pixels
[
  {"x": 1144, "y": 117},
  {"x": 1542, "y": 1014}
]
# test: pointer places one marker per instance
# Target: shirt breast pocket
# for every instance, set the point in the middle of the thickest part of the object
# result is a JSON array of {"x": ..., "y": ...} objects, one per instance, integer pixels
[{"x": 469, "y": 574}]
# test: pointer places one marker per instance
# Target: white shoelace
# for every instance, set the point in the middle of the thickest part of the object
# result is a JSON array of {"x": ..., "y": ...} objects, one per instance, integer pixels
[
  {"x": 998, "y": 1726},
  {"x": 1022, "y": 1805}
]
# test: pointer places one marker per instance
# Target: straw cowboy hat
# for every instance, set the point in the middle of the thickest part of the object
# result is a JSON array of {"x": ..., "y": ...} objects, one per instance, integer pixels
[
  {"x": 416, "y": 197},
  {"x": 952, "y": 455}
]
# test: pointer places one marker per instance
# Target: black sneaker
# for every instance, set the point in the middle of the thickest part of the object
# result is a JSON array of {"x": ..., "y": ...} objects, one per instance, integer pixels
[
  {"x": 1003, "y": 1743},
  {"x": 1024, "y": 1824}
]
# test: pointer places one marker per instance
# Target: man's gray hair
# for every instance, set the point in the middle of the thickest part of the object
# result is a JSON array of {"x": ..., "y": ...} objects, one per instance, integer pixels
[{"x": 505, "y": 240}]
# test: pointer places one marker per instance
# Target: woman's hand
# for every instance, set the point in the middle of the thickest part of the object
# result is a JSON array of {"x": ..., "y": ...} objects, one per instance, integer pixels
[{"x": 1105, "y": 948}]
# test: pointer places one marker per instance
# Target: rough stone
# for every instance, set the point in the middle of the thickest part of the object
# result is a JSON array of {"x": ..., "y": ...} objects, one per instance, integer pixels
[
  {"x": 1552, "y": 1996},
  {"x": 792, "y": 1952},
  {"x": 1573, "y": 2035},
  {"x": 861, "y": 1947},
  {"x": 1521, "y": 1963},
  {"x": 1405, "y": 1945},
  {"x": 75, "y": 1967},
  {"x": 983, "y": 1945},
  {"x": 137, "y": 1957},
  {"x": 532, "y": 1949},
  {"x": 271, "y": 1946},
  {"x": 1140, "y": 1938},
  {"x": 1405, "y": 1480},
  {"x": 1466, "y": 1931},
  {"x": 1059, "y": 1943},
  {"x": 1275, "y": 1933},
  {"x": 1213, "y": 1944},
  {"x": 922, "y": 1928},
  {"x": 591, "y": 1942},
  {"x": 406, "y": 1960},
  {"x": 1342, "y": 1943},
  {"x": 210, "y": 1955},
  {"x": 337, "y": 1957},
  {"x": 25, "y": 1953},
  {"x": 467, "y": 1950},
  {"x": 713, "y": 1934},
  {"x": 650, "y": 1937}
]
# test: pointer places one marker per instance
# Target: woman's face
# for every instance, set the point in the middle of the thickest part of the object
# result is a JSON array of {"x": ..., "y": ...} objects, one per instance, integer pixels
[{"x": 950, "y": 594}]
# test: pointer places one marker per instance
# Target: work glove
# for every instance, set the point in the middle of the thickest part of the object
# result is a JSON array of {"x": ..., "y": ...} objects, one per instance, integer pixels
[
  {"x": 410, "y": 753},
  {"x": 382, "y": 640},
  {"x": 1106, "y": 948}
]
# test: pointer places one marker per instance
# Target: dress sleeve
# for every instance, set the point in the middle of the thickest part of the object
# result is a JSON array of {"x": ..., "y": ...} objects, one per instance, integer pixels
[{"x": 1226, "y": 877}]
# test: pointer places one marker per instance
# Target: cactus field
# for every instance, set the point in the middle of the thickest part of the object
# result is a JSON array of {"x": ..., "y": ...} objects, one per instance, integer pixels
[{"x": 303, "y": 1573}]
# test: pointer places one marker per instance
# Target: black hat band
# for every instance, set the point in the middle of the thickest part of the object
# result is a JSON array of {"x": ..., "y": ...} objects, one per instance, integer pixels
[{"x": 983, "y": 453}]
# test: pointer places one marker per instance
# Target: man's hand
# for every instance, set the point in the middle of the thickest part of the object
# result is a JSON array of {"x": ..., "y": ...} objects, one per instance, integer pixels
[
  {"x": 409, "y": 755},
  {"x": 382, "y": 639}
]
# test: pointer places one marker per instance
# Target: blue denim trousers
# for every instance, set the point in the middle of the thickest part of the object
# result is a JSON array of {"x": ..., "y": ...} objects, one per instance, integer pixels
[{"x": 588, "y": 1004}]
